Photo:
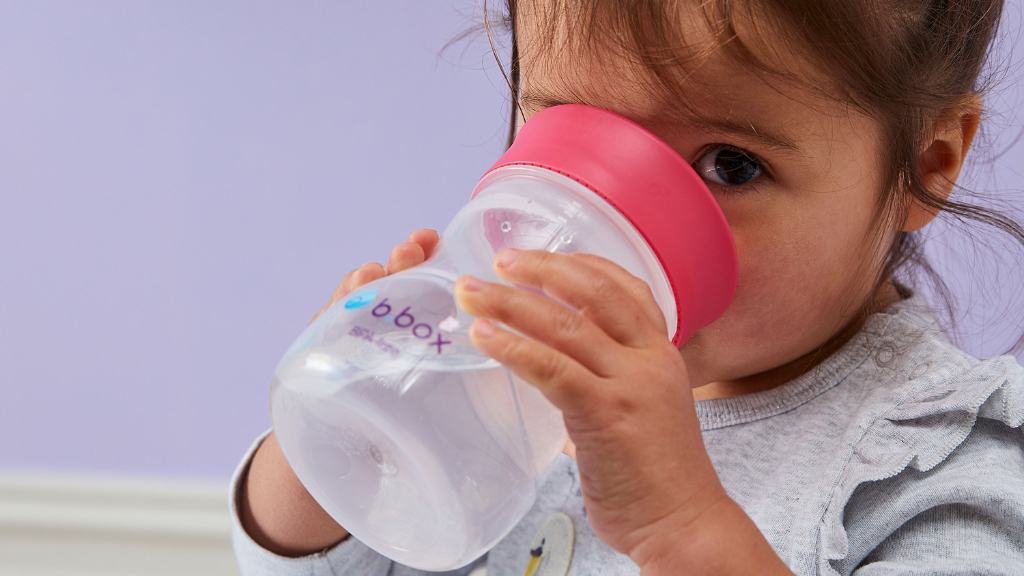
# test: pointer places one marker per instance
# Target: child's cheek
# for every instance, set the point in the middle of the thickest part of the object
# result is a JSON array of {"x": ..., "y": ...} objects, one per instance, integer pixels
[{"x": 784, "y": 305}]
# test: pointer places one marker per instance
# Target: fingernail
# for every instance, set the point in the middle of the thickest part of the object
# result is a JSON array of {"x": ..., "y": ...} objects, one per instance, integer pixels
[
  {"x": 483, "y": 328},
  {"x": 506, "y": 257},
  {"x": 472, "y": 284}
]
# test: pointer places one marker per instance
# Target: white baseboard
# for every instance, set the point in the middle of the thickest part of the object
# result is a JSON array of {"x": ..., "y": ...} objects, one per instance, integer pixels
[
  {"x": 90, "y": 526},
  {"x": 65, "y": 525}
]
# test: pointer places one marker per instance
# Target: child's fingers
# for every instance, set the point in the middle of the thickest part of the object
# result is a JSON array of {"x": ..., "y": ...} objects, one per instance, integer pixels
[
  {"x": 405, "y": 255},
  {"x": 564, "y": 382},
  {"x": 640, "y": 290},
  {"x": 364, "y": 274},
  {"x": 413, "y": 251},
  {"x": 579, "y": 284},
  {"x": 541, "y": 319},
  {"x": 569, "y": 449},
  {"x": 342, "y": 289},
  {"x": 426, "y": 238},
  {"x": 420, "y": 245}
]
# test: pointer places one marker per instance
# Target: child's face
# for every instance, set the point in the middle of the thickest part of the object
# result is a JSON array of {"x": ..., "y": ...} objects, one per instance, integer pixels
[{"x": 809, "y": 249}]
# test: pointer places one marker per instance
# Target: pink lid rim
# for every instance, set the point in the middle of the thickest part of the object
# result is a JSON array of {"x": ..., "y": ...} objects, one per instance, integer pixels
[{"x": 553, "y": 144}]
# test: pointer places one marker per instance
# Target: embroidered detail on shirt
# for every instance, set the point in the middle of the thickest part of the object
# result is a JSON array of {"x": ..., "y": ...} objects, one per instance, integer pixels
[
  {"x": 885, "y": 353},
  {"x": 919, "y": 370},
  {"x": 551, "y": 547}
]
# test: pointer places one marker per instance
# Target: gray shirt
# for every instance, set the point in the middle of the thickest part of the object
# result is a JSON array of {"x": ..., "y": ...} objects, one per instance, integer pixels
[{"x": 899, "y": 454}]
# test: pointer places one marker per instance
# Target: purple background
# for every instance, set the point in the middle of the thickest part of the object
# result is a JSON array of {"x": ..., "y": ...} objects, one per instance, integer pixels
[{"x": 182, "y": 184}]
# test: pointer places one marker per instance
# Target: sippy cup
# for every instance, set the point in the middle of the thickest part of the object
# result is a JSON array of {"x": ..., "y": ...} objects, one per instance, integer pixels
[{"x": 420, "y": 446}]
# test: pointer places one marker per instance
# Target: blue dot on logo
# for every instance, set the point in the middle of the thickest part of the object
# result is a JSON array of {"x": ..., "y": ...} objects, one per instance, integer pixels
[
  {"x": 389, "y": 317},
  {"x": 360, "y": 300}
]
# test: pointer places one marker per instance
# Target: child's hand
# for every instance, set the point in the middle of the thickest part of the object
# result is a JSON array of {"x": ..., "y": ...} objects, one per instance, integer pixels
[
  {"x": 607, "y": 362},
  {"x": 405, "y": 255},
  {"x": 275, "y": 508}
]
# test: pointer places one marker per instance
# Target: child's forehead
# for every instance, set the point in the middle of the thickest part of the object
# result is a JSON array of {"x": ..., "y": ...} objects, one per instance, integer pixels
[
  {"x": 689, "y": 81},
  {"x": 742, "y": 119},
  {"x": 717, "y": 99},
  {"x": 671, "y": 28},
  {"x": 686, "y": 52}
]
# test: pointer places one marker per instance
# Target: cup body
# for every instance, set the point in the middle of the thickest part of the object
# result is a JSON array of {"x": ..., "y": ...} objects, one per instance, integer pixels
[{"x": 416, "y": 443}]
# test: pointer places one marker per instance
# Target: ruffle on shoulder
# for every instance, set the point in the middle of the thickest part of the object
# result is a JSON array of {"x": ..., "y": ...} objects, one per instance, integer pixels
[{"x": 932, "y": 413}]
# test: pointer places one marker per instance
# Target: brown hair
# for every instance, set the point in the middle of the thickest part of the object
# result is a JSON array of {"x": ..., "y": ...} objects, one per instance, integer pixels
[{"x": 904, "y": 63}]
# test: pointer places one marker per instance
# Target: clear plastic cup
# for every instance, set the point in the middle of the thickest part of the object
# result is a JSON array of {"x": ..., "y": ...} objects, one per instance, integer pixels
[{"x": 416, "y": 443}]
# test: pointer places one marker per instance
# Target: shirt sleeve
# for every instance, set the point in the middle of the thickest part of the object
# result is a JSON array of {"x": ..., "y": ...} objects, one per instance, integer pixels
[
  {"x": 348, "y": 558},
  {"x": 964, "y": 516}
]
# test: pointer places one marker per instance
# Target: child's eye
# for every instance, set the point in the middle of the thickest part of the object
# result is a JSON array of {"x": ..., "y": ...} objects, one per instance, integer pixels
[{"x": 726, "y": 166}]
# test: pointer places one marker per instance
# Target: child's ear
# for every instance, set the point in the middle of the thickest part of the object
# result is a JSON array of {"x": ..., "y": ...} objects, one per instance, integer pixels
[{"x": 940, "y": 163}]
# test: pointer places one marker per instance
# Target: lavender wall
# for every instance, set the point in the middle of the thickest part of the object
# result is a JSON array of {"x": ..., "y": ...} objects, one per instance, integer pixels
[{"x": 182, "y": 184}]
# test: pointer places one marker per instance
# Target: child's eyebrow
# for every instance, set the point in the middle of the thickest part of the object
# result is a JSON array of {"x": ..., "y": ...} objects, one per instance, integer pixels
[
  {"x": 749, "y": 130},
  {"x": 745, "y": 129}
]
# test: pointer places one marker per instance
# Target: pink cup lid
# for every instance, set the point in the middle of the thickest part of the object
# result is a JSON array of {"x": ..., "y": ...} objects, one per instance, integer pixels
[{"x": 653, "y": 187}]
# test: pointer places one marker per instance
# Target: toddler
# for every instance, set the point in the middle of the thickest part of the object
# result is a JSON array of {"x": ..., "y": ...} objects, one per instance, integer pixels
[{"x": 823, "y": 424}]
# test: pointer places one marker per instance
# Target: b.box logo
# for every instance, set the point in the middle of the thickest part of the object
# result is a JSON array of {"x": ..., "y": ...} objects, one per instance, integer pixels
[{"x": 406, "y": 320}]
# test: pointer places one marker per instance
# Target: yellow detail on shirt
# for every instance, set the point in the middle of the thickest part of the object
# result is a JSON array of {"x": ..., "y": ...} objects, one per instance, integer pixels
[{"x": 552, "y": 546}]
